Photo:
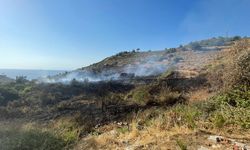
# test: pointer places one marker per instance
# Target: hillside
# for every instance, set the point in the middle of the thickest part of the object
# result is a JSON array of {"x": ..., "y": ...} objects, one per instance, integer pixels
[
  {"x": 190, "y": 97},
  {"x": 192, "y": 56}
]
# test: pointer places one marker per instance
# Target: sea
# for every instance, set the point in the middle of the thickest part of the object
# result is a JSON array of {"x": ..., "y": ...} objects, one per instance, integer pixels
[{"x": 30, "y": 74}]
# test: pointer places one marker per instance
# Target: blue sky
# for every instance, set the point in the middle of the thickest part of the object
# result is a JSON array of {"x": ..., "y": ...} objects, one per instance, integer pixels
[{"x": 68, "y": 34}]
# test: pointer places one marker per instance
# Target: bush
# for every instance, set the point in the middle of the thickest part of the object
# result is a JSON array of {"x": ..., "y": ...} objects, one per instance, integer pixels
[
  {"x": 238, "y": 65},
  {"x": 231, "y": 116},
  {"x": 232, "y": 108},
  {"x": 7, "y": 95},
  {"x": 166, "y": 96},
  {"x": 141, "y": 95},
  {"x": 158, "y": 94},
  {"x": 236, "y": 97},
  {"x": 31, "y": 139},
  {"x": 185, "y": 115},
  {"x": 218, "y": 120}
]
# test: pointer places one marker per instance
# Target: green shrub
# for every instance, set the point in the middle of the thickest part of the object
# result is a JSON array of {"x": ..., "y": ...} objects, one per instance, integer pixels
[
  {"x": 231, "y": 116},
  {"x": 122, "y": 130},
  {"x": 219, "y": 120},
  {"x": 185, "y": 115},
  {"x": 166, "y": 96},
  {"x": 12, "y": 139},
  {"x": 236, "y": 97},
  {"x": 232, "y": 108},
  {"x": 141, "y": 95}
]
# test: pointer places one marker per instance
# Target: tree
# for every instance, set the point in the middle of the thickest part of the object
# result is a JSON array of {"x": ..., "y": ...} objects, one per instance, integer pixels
[{"x": 235, "y": 38}]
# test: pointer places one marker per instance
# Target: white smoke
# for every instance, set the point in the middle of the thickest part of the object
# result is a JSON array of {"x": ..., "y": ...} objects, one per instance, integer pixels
[
  {"x": 81, "y": 76},
  {"x": 143, "y": 66}
]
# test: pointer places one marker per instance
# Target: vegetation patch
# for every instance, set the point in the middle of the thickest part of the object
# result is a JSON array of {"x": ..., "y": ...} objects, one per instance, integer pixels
[{"x": 23, "y": 139}]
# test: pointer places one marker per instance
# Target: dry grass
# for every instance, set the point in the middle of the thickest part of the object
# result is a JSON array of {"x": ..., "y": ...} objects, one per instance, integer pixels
[
  {"x": 177, "y": 127},
  {"x": 231, "y": 66},
  {"x": 200, "y": 95},
  {"x": 152, "y": 137}
]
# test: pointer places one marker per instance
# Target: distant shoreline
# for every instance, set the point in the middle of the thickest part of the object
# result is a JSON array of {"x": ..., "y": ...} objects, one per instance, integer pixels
[{"x": 29, "y": 73}]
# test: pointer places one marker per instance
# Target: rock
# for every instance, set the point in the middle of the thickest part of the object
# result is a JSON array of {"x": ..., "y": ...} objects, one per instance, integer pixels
[
  {"x": 215, "y": 138},
  {"x": 240, "y": 146},
  {"x": 221, "y": 139},
  {"x": 227, "y": 141}
]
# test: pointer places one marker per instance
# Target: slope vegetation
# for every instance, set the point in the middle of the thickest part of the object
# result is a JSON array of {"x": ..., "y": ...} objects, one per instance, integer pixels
[{"x": 178, "y": 98}]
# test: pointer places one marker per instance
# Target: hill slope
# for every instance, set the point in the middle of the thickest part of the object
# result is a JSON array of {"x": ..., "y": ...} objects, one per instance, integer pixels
[{"x": 191, "y": 56}]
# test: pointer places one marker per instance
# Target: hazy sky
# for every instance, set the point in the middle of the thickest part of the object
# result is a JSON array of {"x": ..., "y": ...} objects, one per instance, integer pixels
[{"x": 68, "y": 34}]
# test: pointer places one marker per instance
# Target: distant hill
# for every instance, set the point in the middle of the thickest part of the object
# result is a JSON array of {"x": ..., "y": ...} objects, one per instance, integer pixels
[{"x": 148, "y": 63}]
